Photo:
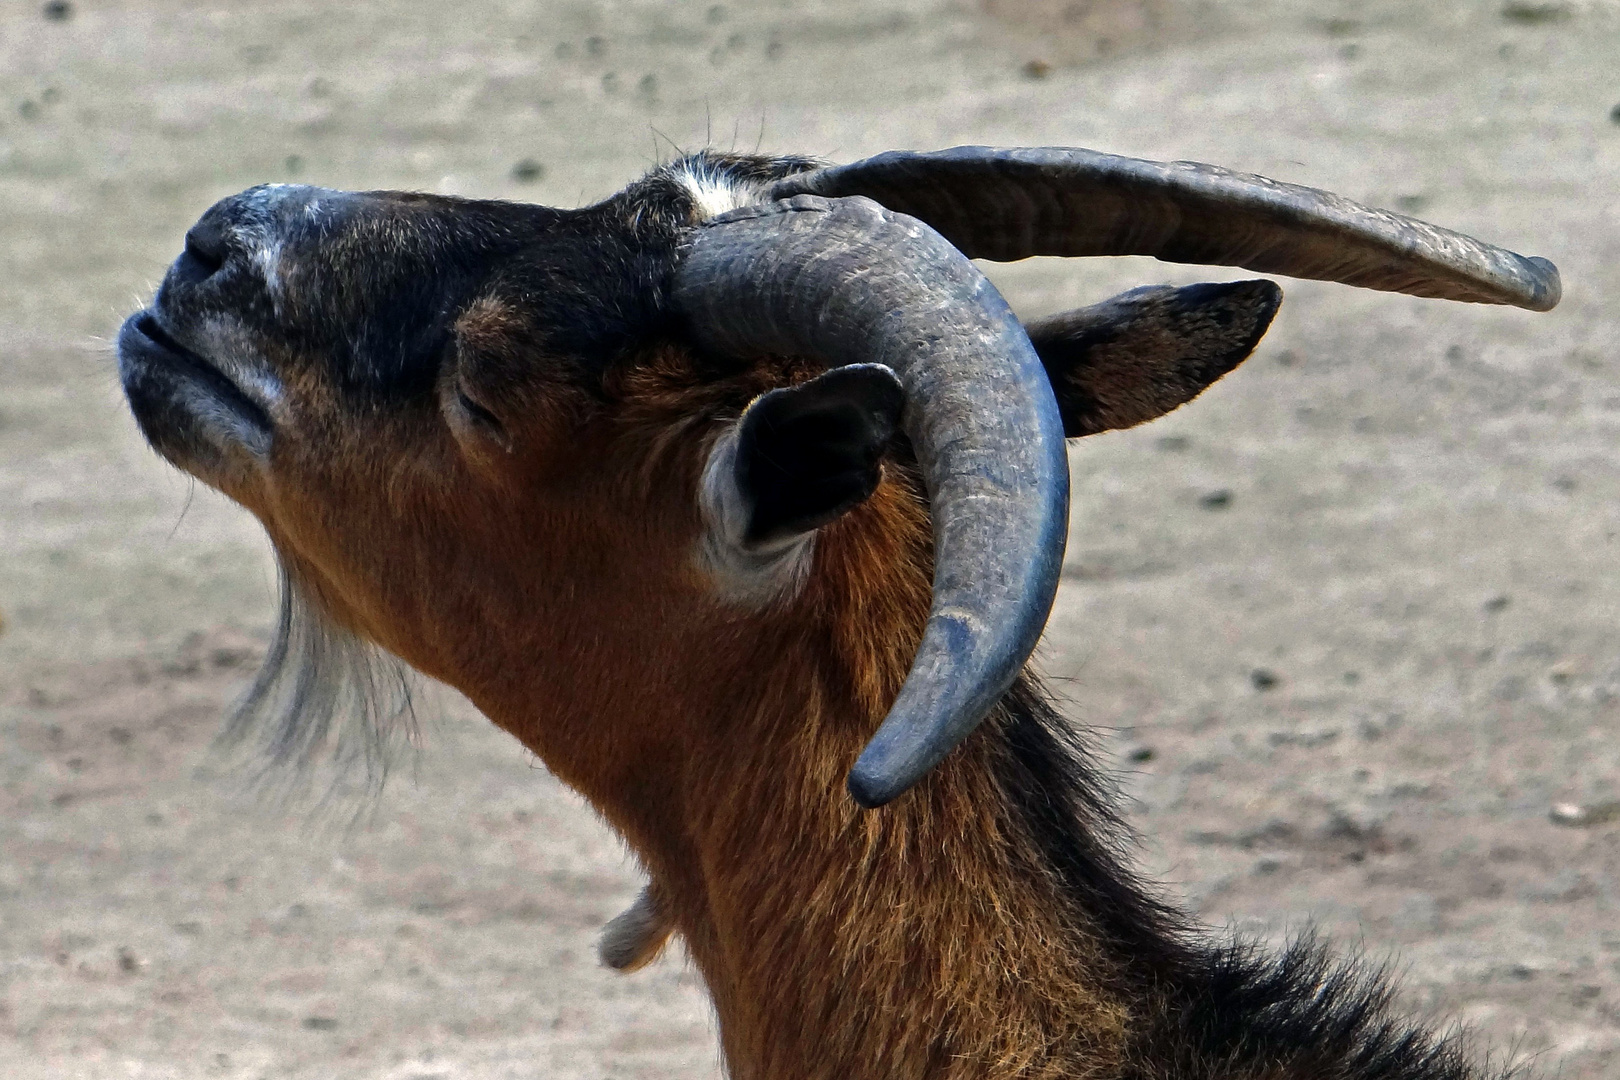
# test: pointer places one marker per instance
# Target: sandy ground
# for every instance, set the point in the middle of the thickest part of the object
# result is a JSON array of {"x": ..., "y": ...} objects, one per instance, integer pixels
[{"x": 1347, "y": 625}]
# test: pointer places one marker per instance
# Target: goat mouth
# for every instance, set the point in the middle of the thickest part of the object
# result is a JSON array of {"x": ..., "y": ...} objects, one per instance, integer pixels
[{"x": 190, "y": 410}]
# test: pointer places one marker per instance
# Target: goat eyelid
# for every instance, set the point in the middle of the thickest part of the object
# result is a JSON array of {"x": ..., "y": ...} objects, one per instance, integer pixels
[{"x": 483, "y": 418}]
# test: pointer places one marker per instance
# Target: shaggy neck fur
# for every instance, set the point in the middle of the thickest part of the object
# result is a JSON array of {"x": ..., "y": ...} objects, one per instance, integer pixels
[
  {"x": 982, "y": 926},
  {"x": 930, "y": 939}
]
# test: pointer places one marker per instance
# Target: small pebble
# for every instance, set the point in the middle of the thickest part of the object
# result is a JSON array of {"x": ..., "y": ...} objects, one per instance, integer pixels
[
  {"x": 57, "y": 10},
  {"x": 1263, "y": 679},
  {"x": 1576, "y": 816},
  {"x": 1614, "y": 115},
  {"x": 1531, "y": 12},
  {"x": 1216, "y": 500},
  {"x": 128, "y": 962},
  {"x": 528, "y": 171},
  {"x": 1037, "y": 69},
  {"x": 1141, "y": 754},
  {"x": 1497, "y": 603}
]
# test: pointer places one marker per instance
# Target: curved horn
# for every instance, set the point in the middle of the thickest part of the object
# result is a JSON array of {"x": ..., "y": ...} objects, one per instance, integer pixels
[
  {"x": 847, "y": 282},
  {"x": 1010, "y": 204}
]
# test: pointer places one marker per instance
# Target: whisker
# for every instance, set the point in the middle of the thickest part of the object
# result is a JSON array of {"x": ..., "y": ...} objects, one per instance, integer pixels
[{"x": 191, "y": 493}]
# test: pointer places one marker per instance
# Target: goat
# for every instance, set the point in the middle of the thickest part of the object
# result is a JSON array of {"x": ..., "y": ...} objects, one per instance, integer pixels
[{"x": 743, "y": 481}]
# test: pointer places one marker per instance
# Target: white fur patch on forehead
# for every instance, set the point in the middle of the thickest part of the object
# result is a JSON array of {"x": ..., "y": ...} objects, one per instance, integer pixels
[{"x": 715, "y": 192}]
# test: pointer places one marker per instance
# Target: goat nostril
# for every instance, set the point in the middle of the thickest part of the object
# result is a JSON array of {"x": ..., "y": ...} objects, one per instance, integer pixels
[{"x": 205, "y": 248}]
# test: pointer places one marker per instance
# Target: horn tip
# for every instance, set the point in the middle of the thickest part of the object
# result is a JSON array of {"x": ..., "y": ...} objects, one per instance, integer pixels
[
  {"x": 870, "y": 788},
  {"x": 1550, "y": 288}
]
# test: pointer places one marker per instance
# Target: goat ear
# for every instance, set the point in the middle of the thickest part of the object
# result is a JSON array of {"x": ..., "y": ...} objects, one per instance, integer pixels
[
  {"x": 1145, "y": 352},
  {"x": 809, "y": 453}
]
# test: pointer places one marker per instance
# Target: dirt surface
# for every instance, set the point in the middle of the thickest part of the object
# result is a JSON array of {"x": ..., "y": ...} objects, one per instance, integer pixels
[{"x": 1347, "y": 625}]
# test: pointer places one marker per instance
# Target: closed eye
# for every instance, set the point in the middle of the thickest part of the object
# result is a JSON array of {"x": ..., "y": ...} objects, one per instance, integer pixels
[{"x": 484, "y": 418}]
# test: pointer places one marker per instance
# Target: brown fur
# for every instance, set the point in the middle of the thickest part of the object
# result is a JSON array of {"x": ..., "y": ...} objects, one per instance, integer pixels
[{"x": 558, "y": 592}]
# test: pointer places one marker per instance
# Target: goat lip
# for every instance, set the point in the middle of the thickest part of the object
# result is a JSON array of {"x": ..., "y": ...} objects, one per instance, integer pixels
[{"x": 186, "y": 390}]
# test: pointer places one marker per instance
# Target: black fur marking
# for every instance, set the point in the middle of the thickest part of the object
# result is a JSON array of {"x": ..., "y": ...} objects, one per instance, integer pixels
[
  {"x": 1205, "y": 1009},
  {"x": 807, "y": 454}
]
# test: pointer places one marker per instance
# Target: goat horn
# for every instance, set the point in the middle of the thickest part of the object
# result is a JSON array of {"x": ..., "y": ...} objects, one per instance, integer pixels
[
  {"x": 846, "y": 281},
  {"x": 1010, "y": 204}
]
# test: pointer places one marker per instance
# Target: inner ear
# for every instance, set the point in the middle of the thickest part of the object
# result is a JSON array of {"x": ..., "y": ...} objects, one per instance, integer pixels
[
  {"x": 809, "y": 453},
  {"x": 1145, "y": 352}
]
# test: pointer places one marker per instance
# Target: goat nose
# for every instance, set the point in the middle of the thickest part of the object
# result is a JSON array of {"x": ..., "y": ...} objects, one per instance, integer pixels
[
  {"x": 241, "y": 227},
  {"x": 206, "y": 248}
]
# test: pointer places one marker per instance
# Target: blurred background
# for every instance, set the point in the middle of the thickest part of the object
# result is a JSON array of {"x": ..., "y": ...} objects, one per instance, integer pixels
[{"x": 1348, "y": 626}]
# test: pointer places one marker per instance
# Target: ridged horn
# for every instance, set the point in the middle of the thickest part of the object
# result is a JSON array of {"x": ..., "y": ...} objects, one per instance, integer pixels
[
  {"x": 1010, "y": 204},
  {"x": 846, "y": 281}
]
